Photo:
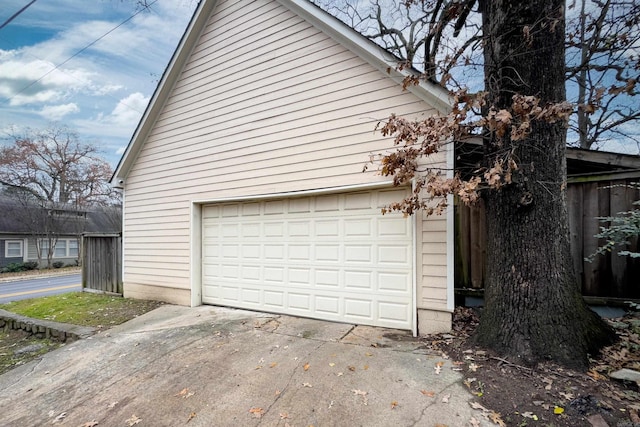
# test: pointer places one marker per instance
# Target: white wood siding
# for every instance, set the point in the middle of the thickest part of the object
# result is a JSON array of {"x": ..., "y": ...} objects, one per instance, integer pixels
[{"x": 266, "y": 104}]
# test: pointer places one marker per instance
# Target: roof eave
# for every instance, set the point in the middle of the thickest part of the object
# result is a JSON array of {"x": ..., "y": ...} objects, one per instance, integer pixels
[
  {"x": 160, "y": 95},
  {"x": 435, "y": 95}
]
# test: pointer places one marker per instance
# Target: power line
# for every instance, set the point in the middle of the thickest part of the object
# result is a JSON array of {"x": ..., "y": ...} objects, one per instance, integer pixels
[
  {"x": 15, "y": 15},
  {"x": 83, "y": 49}
]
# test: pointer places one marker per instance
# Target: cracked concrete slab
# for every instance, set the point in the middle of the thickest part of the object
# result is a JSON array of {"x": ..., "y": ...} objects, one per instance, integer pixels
[
  {"x": 393, "y": 339},
  {"x": 223, "y": 367}
]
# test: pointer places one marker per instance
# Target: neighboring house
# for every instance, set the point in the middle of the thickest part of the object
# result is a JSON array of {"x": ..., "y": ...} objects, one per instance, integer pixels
[
  {"x": 21, "y": 237},
  {"x": 243, "y": 181}
]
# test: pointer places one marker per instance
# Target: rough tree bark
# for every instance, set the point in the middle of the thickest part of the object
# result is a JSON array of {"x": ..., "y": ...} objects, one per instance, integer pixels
[{"x": 533, "y": 307}]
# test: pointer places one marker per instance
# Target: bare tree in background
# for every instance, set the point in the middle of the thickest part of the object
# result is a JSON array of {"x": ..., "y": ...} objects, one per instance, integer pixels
[
  {"x": 441, "y": 38},
  {"x": 52, "y": 179},
  {"x": 603, "y": 65},
  {"x": 420, "y": 33},
  {"x": 54, "y": 166}
]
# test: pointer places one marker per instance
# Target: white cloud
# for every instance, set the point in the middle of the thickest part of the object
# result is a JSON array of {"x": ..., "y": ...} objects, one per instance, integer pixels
[
  {"x": 37, "y": 81},
  {"x": 120, "y": 151},
  {"x": 129, "y": 110},
  {"x": 56, "y": 112},
  {"x": 109, "y": 82}
]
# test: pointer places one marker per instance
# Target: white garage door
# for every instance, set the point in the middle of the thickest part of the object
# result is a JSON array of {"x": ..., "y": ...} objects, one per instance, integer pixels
[{"x": 332, "y": 257}]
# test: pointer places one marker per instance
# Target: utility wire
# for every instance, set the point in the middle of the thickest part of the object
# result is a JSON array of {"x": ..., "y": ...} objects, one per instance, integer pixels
[
  {"x": 83, "y": 49},
  {"x": 15, "y": 15}
]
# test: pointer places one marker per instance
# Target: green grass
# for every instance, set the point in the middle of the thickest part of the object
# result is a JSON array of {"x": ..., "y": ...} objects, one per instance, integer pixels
[{"x": 82, "y": 308}]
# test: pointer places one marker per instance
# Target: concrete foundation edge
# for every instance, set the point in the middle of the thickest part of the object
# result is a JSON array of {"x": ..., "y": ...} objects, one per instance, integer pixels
[
  {"x": 434, "y": 322},
  {"x": 158, "y": 293}
]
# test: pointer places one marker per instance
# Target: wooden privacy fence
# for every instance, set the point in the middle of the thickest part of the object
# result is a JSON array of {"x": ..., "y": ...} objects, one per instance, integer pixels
[
  {"x": 102, "y": 263},
  {"x": 588, "y": 197}
]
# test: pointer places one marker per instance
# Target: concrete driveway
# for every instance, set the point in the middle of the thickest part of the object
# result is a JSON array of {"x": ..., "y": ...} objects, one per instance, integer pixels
[{"x": 210, "y": 366}]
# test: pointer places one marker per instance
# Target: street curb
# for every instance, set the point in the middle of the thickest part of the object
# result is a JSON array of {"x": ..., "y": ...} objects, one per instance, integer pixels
[
  {"x": 62, "y": 332},
  {"x": 39, "y": 276}
]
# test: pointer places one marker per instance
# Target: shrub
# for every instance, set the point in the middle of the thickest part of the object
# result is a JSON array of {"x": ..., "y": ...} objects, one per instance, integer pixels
[
  {"x": 13, "y": 267},
  {"x": 57, "y": 264},
  {"x": 621, "y": 230},
  {"x": 16, "y": 267},
  {"x": 30, "y": 265}
]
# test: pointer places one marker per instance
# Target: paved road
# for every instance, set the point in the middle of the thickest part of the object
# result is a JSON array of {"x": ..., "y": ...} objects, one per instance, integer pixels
[{"x": 39, "y": 287}]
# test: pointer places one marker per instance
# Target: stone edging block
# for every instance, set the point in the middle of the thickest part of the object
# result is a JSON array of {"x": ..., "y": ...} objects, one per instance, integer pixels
[{"x": 62, "y": 332}]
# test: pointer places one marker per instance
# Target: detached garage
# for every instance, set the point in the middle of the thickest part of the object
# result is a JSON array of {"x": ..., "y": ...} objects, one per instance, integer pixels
[{"x": 243, "y": 182}]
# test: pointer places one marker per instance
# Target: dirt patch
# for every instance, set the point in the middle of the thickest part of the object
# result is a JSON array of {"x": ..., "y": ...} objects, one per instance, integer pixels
[
  {"x": 19, "y": 347},
  {"x": 547, "y": 394}
]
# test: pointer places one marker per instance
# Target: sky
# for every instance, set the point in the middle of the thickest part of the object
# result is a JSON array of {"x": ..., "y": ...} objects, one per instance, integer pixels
[{"x": 48, "y": 75}]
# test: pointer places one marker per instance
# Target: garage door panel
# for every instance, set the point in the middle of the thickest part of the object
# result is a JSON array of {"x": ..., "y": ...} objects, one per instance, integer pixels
[
  {"x": 327, "y": 228},
  {"x": 393, "y": 282},
  {"x": 394, "y": 255},
  {"x": 393, "y": 227},
  {"x": 333, "y": 257},
  {"x": 358, "y": 227},
  {"x": 358, "y": 280}
]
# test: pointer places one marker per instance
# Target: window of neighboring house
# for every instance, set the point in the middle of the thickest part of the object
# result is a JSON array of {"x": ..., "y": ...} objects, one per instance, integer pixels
[
  {"x": 65, "y": 248},
  {"x": 73, "y": 248},
  {"x": 60, "y": 251},
  {"x": 44, "y": 249},
  {"x": 13, "y": 249}
]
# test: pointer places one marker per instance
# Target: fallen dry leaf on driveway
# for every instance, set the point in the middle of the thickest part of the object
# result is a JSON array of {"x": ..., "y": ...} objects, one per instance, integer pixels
[
  {"x": 496, "y": 419},
  {"x": 191, "y": 416},
  {"x": 365, "y": 400},
  {"x": 59, "y": 417},
  {"x": 133, "y": 420},
  {"x": 476, "y": 405},
  {"x": 445, "y": 398},
  {"x": 90, "y": 424},
  {"x": 257, "y": 412},
  {"x": 306, "y": 366},
  {"x": 184, "y": 393},
  {"x": 428, "y": 393}
]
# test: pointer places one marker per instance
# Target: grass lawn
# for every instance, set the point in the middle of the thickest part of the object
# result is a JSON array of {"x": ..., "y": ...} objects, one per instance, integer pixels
[
  {"x": 82, "y": 308},
  {"x": 78, "y": 308}
]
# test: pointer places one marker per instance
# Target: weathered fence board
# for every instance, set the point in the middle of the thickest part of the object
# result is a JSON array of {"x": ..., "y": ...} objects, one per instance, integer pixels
[
  {"x": 102, "y": 263},
  {"x": 608, "y": 275}
]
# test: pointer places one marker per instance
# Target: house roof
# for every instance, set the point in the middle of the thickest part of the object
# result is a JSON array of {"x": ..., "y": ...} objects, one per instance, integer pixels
[
  {"x": 433, "y": 94},
  {"x": 14, "y": 220},
  {"x": 580, "y": 162}
]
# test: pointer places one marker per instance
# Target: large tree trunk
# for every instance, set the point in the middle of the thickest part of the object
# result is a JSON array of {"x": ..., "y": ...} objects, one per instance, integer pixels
[{"x": 533, "y": 308}]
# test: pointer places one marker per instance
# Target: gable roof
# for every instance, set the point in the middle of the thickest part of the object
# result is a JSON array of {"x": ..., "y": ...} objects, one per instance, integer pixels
[
  {"x": 435, "y": 95},
  {"x": 14, "y": 221}
]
